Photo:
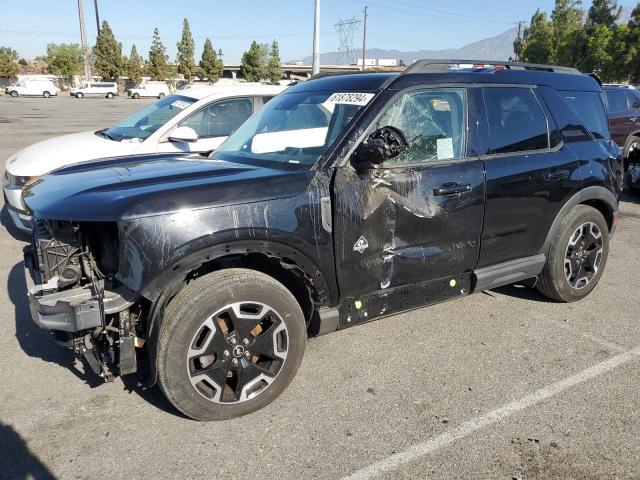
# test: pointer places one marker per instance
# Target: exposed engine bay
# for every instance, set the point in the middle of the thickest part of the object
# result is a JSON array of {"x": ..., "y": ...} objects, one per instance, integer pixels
[{"x": 72, "y": 292}]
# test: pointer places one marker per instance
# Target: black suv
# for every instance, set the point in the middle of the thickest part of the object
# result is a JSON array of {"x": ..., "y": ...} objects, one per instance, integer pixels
[{"x": 344, "y": 199}]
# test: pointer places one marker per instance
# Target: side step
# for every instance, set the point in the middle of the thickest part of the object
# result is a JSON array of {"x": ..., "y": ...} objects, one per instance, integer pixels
[{"x": 508, "y": 272}]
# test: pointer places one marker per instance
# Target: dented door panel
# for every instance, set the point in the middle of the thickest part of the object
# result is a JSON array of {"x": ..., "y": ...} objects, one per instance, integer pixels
[{"x": 392, "y": 228}]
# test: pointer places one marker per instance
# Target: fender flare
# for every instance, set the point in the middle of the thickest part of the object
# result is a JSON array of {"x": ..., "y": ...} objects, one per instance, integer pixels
[{"x": 594, "y": 192}]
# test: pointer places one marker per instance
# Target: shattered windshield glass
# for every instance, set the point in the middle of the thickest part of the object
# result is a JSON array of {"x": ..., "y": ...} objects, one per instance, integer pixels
[{"x": 295, "y": 127}]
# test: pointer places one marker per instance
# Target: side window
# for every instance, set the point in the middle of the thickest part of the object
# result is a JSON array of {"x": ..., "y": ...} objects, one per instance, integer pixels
[
  {"x": 616, "y": 101},
  {"x": 590, "y": 111},
  {"x": 632, "y": 100},
  {"x": 266, "y": 99},
  {"x": 220, "y": 119},
  {"x": 432, "y": 121},
  {"x": 516, "y": 120}
]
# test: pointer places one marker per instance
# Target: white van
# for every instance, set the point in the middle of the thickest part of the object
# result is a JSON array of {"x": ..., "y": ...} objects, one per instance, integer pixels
[
  {"x": 39, "y": 88},
  {"x": 99, "y": 89},
  {"x": 193, "y": 120},
  {"x": 150, "y": 89}
]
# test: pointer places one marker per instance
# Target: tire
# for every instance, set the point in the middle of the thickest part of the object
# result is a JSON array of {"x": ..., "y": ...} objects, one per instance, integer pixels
[
  {"x": 46, "y": 94},
  {"x": 189, "y": 334},
  {"x": 79, "y": 95},
  {"x": 161, "y": 95},
  {"x": 570, "y": 274},
  {"x": 13, "y": 93},
  {"x": 109, "y": 95},
  {"x": 631, "y": 145},
  {"x": 135, "y": 96}
]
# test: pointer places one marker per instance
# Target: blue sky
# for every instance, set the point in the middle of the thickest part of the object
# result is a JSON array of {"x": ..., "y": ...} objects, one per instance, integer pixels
[{"x": 29, "y": 25}]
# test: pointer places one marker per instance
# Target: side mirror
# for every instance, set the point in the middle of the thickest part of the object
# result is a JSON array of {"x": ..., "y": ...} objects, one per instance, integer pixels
[
  {"x": 183, "y": 134},
  {"x": 383, "y": 144}
]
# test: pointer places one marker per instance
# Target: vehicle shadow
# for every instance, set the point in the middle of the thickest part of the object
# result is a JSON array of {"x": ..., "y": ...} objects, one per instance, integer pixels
[
  {"x": 522, "y": 292},
  {"x": 38, "y": 343},
  {"x": 16, "y": 233},
  {"x": 18, "y": 461}
]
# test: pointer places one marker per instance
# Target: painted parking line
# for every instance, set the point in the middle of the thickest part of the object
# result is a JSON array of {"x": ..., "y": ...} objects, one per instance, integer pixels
[{"x": 469, "y": 427}]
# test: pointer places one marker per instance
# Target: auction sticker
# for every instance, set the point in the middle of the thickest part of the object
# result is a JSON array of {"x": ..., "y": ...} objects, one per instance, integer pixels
[
  {"x": 181, "y": 104},
  {"x": 351, "y": 98}
]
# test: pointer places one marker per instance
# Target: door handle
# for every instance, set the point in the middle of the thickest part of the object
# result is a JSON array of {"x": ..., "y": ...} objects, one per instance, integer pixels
[
  {"x": 451, "y": 188},
  {"x": 556, "y": 175}
]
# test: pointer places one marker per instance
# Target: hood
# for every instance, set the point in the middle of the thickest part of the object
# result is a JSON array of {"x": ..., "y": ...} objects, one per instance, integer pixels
[
  {"x": 51, "y": 154},
  {"x": 131, "y": 187}
]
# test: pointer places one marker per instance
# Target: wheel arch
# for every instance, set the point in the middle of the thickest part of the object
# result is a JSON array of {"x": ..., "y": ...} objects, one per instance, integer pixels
[
  {"x": 597, "y": 197},
  {"x": 295, "y": 270}
]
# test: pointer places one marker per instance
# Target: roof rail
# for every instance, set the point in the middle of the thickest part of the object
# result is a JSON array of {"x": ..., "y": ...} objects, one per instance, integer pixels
[{"x": 444, "y": 66}]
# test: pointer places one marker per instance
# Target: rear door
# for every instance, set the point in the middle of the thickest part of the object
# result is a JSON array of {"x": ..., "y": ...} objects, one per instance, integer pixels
[
  {"x": 417, "y": 218},
  {"x": 529, "y": 174}
]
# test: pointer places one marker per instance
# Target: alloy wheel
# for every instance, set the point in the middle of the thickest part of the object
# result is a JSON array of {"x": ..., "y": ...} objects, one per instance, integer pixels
[
  {"x": 237, "y": 352},
  {"x": 583, "y": 255}
]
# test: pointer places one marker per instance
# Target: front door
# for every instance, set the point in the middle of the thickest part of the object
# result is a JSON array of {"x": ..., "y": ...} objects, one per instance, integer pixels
[
  {"x": 418, "y": 217},
  {"x": 213, "y": 124}
]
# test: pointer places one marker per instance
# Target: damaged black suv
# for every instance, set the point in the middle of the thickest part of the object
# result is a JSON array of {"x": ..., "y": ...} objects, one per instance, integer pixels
[{"x": 344, "y": 199}]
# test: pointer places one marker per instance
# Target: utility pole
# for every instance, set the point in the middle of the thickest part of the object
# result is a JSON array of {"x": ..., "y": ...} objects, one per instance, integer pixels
[
  {"x": 85, "y": 44},
  {"x": 95, "y": 5},
  {"x": 315, "y": 69},
  {"x": 364, "y": 38}
]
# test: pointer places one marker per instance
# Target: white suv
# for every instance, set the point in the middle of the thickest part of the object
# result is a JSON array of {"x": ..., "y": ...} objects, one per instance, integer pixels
[
  {"x": 100, "y": 89},
  {"x": 195, "y": 120}
]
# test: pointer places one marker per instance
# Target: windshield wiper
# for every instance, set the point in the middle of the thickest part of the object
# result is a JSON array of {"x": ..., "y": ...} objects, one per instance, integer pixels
[{"x": 103, "y": 133}]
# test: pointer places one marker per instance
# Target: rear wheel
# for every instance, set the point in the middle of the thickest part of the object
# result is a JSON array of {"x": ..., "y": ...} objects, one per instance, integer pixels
[
  {"x": 13, "y": 93},
  {"x": 230, "y": 343},
  {"x": 46, "y": 94},
  {"x": 109, "y": 95},
  {"x": 577, "y": 256},
  {"x": 161, "y": 95}
]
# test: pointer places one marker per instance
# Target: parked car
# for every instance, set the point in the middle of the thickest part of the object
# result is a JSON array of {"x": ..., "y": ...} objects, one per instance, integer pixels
[
  {"x": 196, "y": 120},
  {"x": 37, "y": 88},
  {"x": 623, "y": 105},
  {"x": 150, "y": 89},
  {"x": 97, "y": 89},
  {"x": 345, "y": 199}
]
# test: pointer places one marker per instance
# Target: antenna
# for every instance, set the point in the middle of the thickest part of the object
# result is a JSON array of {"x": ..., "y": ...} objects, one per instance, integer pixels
[{"x": 346, "y": 31}]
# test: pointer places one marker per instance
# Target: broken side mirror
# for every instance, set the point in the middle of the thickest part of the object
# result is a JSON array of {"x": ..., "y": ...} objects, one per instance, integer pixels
[{"x": 383, "y": 144}]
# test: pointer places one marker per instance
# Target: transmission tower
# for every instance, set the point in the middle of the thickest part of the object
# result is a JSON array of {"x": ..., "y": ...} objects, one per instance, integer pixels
[{"x": 346, "y": 31}]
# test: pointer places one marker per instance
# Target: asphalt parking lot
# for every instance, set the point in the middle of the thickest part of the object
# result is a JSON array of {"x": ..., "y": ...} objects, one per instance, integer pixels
[{"x": 503, "y": 384}]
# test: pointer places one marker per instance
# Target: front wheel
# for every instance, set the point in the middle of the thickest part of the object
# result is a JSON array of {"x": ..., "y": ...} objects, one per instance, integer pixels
[
  {"x": 230, "y": 343},
  {"x": 79, "y": 95},
  {"x": 13, "y": 93},
  {"x": 135, "y": 96},
  {"x": 577, "y": 256}
]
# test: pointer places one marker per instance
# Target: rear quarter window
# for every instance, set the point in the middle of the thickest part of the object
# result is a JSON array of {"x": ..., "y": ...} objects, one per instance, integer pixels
[{"x": 589, "y": 109}]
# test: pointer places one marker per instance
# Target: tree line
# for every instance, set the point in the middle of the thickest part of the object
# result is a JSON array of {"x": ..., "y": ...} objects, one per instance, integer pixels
[
  {"x": 593, "y": 41},
  {"x": 260, "y": 62}
]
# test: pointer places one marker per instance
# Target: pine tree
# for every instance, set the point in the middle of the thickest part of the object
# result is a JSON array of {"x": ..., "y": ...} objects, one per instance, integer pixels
[
  {"x": 274, "y": 69},
  {"x": 568, "y": 32},
  {"x": 108, "y": 54},
  {"x": 186, "y": 49},
  {"x": 634, "y": 45},
  {"x": 135, "y": 66},
  {"x": 211, "y": 66},
  {"x": 158, "y": 68},
  {"x": 252, "y": 65},
  {"x": 538, "y": 40},
  {"x": 604, "y": 12}
]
